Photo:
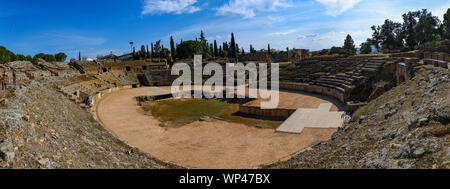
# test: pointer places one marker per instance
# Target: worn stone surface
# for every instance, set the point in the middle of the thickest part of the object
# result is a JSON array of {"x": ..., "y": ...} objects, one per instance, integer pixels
[
  {"x": 42, "y": 128},
  {"x": 407, "y": 127}
]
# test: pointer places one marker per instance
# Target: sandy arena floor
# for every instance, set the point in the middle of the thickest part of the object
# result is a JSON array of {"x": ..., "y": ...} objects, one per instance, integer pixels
[{"x": 209, "y": 144}]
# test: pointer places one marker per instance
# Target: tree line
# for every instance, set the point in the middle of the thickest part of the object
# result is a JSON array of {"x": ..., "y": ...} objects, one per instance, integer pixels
[
  {"x": 187, "y": 49},
  {"x": 418, "y": 28},
  {"x": 8, "y": 56}
]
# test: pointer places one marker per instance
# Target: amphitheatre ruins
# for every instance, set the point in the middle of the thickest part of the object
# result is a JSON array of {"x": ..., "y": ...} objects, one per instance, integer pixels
[{"x": 317, "y": 98}]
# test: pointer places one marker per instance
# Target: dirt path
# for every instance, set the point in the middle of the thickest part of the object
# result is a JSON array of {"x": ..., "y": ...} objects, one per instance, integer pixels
[{"x": 209, "y": 144}]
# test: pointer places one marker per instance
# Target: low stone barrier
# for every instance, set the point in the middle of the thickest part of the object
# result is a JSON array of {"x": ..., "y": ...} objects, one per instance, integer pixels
[
  {"x": 94, "y": 99},
  {"x": 275, "y": 113},
  {"x": 437, "y": 63},
  {"x": 326, "y": 91},
  {"x": 286, "y": 113}
]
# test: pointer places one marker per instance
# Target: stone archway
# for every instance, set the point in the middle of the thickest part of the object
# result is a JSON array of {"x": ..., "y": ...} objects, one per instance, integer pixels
[{"x": 402, "y": 73}]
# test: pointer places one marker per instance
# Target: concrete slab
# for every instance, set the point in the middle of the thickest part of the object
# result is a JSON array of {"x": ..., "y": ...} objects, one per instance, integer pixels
[{"x": 312, "y": 118}]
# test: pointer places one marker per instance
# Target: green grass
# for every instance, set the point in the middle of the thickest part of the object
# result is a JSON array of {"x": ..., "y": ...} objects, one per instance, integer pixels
[{"x": 179, "y": 112}]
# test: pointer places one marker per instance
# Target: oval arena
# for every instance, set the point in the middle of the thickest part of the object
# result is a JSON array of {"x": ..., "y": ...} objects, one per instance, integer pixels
[{"x": 129, "y": 98}]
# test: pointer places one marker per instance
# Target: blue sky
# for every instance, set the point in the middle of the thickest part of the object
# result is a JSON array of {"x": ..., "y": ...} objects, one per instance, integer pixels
[{"x": 97, "y": 27}]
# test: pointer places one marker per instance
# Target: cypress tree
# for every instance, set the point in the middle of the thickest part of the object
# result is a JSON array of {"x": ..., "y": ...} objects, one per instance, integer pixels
[
  {"x": 226, "y": 50},
  {"x": 349, "y": 44},
  {"x": 216, "y": 52},
  {"x": 151, "y": 55},
  {"x": 268, "y": 48},
  {"x": 172, "y": 48},
  {"x": 142, "y": 52},
  {"x": 79, "y": 55},
  {"x": 233, "y": 47},
  {"x": 211, "y": 48}
]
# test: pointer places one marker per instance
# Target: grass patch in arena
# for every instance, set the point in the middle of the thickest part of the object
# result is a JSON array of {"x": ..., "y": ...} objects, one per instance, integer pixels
[{"x": 179, "y": 112}]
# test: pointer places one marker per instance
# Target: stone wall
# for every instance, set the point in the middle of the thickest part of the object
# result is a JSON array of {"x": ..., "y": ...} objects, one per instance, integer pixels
[
  {"x": 439, "y": 59},
  {"x": 402, "y": 73},
  {"x": 275, "y": 113},
  {"x": 285, "y": 113},
  {"x": 325, "y": 91}
]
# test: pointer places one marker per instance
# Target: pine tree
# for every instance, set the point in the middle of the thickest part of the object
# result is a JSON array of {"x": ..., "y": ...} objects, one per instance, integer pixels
[
  {"x": 349, "y": 45},
  {"x": 172, "y": 48}
]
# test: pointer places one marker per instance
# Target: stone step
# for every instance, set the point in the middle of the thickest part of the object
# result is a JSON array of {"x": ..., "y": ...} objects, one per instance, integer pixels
[
  {"x": 370, "y": 70},
  {"x": 332, "y": 86},
  {"x": 373, "y": 67},
  {"x": 335, "y": 81}
]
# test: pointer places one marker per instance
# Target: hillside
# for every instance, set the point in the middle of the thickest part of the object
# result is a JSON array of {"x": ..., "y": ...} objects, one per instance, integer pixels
[
  {"x": 42, "y": 128},
  {"x": 407, "y": 127}
]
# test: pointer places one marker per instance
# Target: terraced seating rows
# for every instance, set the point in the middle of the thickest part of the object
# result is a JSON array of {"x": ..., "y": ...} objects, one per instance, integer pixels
[
  {"x": 347, "y": 81},
  {"x": 109, "y": 78},
  {"x": 126, "y": 78}
]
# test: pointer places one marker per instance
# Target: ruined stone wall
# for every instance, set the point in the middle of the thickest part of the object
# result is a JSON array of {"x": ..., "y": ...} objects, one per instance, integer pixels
[
  {"x": 439, "y": 59},
  {"x": 274, "y": 113},
  {"x": 285, "y": 113}
]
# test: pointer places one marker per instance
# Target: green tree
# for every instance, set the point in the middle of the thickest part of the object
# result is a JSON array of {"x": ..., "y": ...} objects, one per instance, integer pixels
[
  {"x": 220, "y": 51},
  {"x": 268, "y": 49},
  {"x": 446, "y": 25},
  {"x": 46, "y": 57},
  {"x": 428, "y": 27},
  {"x": 409, "y": 28},
  {"x": 376, "y": 37},
  {"x": 60, "y": 57},
  {"x": 188, "y": 49},
  {"x": 29, "y": 58},
  {"x": 79, "y": 56},
  {"x": 205, "y": 45},
  {"x": 233, "y": 51},
  {"x": 20, "y": 57},
  {"x": 173, "y": 51},
  {"x": 6, "y": 55},
  {"x": 152, "y": 55},
  {"x": 349, "y": 44},
  {"x": 225, "y": 50},
  {"x": 142, "y": 52},
  {"x": 211, "y": 49},
  {"x": 391, "y": 35},
  {"x": 157, "y": 49},
  {"x": 366, "y": 47},
  {"x": 216, "y": 51}
]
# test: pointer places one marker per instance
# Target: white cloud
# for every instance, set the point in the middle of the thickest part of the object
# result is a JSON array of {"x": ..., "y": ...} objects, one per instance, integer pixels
[
  {"x": 249, "y": 8},
  {"x": 336, "y": 7},
  {"x": 283, "y": 32},
  {"x": 169, "y": 7}
]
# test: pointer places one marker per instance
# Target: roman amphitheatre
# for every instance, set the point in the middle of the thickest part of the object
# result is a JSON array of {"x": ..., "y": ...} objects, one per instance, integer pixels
[{"x": 121, "y": 114}]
